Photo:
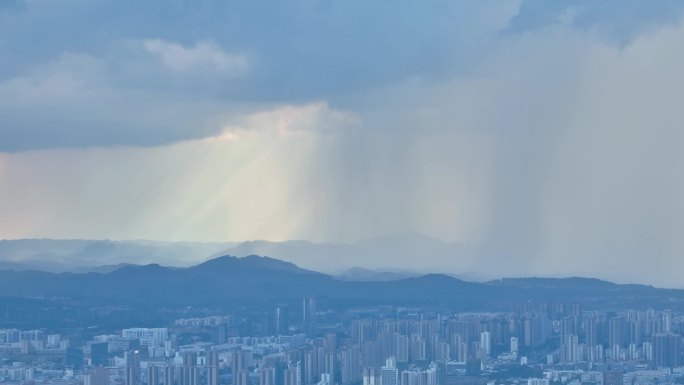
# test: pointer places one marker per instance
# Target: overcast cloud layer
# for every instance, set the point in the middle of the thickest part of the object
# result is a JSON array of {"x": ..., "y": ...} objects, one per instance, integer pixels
[{"x": 543, "y": 136}]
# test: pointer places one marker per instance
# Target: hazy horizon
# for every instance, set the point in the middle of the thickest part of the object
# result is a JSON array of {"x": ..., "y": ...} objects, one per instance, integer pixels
[
  {"x": 336, "y": 259},
  {"x": 540, "y": 137},
  {"x": 341, "y": 192}
]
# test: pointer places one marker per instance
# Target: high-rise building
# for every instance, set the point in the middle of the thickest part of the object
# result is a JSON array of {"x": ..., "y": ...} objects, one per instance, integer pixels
[
  {"x": 282, "y": 320},
  {"x": 189, "y": 373},
  {"x": 486, "y": 343},
  {"x": 222, "y": 333},
  {"x": 370, "y": 376},
  {"x": 647, "y": 349},
  {"x": 242, "y": 377},
  {"x": 667, "y": 350},
  {"x": 279, "y": 372},
  {"x": 74, "y": 357},
  {"x": 350, "y": 368},
  {"x": 267, "y": 376},
  {"x": 99, "y": 376},
  {"x": 152, "y": 375},
  {"x": 417, "y": 348},
  {"x": 616, "y": 331},
  {"x": 292, "y": 375},
  {"x": 361, "y": 330},
  {"x": 461, "y": 353},
  {"x": 568, "y": 326},
  {"x": 514, "y": 345},
  {"x": 402, "y": 348},
  {"x": 132, "y": 367},
  {"x": 667, "y": 321},
  {"x": 240, "y": 361},
  {"x": 591, "y": 331},
  {"x": 570, "y": 349},
  {"x": 331, "y": 366},
  {"x": 99, "y": 354},
  {"x": 330, "y": 342},
  {"x": 212, "y": 368},
  {"x": 326, "y": 379},
  {"x": 576, "y": 310},
  {"x": 535, "y": 329},
  {"x": 634, "y": 332},
  {"x": 389, "y": 374},
  {"x": 309, "y": 316},
  {"x": 310, "y": 368},
  {"x": 168, "y": 375}
]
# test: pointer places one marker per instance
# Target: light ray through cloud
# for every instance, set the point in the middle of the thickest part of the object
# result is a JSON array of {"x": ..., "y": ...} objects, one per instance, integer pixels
[{"x": 540, "y": 137}]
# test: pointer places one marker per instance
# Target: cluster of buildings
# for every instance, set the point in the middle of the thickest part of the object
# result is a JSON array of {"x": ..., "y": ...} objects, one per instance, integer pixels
[{"x": 550, "y": 344}]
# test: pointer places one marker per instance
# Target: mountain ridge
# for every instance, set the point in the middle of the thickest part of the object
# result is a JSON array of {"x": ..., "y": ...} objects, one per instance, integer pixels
[
  {"x": 225, "y": 283},
  {"x": 253, "y": 270}
]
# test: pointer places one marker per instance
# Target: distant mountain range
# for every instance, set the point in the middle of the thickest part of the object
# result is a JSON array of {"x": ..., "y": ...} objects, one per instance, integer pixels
[
  {"x": 111, "y": 284},
  {"x": 382, "y": 258},
  {"x": 228, "y": 279},
  {"x": 171, "y": 273},
  {"x": 78, "y": 255},
  {"x": 404, "y": 254}
]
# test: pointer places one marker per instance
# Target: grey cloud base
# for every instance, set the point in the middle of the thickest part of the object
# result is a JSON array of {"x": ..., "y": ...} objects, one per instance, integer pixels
[{"x": 95, "y": 84}]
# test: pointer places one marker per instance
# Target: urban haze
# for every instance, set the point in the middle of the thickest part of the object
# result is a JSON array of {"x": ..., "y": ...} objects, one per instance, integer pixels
[{"x": 325, "y": 192}]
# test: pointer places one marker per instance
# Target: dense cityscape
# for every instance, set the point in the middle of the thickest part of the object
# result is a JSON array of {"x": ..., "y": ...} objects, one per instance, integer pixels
[
  {"x": 302, "y": 344},
  {"x": 341, "y": 192}
]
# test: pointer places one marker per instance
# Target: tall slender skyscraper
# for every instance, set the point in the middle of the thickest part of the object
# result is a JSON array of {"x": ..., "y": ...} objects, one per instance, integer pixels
[
  {"x": 591, "y": 331},
  {"x": 486, "y": 343},
  {"x": 282, "y": 320},
  {"x": 309, "y": 316},
  {"x": 190, "y": 371},
  {"x": 133, "y": 368},
  {"x": 267, "y": 376},
  {"x": 514, "y": 345},
  {"x": 152, "y": 375},
  {"x": 350, "y": 369},
  {"x": 616, "y": 331},
  {"x": 168, "y": 375},
  {"x": 212, "y": 368},
  {"x": 239, "y": 363}
]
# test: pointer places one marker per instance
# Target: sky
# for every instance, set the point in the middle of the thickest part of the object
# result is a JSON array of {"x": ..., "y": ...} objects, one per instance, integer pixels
[{"x": 544, "y": 136}]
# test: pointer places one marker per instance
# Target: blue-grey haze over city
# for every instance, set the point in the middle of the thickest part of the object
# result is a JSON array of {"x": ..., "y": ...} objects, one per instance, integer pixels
[{"x": 341, "y": 192}]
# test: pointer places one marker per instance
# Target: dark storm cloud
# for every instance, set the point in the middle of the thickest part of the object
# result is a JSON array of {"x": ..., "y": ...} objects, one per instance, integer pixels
[
  {"x": 80, "y": 73},
  {"x": 619, "y": 21},
  {"x": 284, "y": 52}
]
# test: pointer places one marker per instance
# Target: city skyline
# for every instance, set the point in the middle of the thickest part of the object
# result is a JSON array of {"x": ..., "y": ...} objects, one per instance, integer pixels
[
  {"x": 541, "y": 344},
  {"x": 341, "y": 192}
]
